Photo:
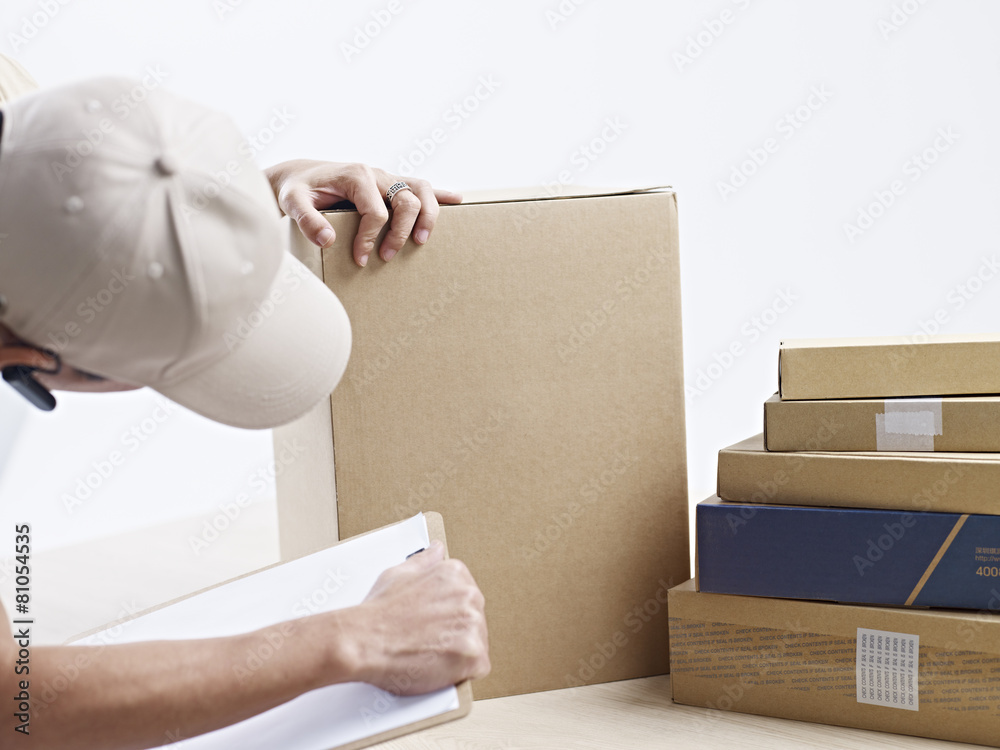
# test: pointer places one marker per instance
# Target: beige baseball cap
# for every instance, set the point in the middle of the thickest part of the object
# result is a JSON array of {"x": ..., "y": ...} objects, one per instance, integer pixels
[{"x": 140, "y": 242}]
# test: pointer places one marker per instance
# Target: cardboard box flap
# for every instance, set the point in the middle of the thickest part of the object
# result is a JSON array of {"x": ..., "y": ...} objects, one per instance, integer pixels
[
  {"x": 939, "y": 628},
  {"x": 537, "y": 193}
]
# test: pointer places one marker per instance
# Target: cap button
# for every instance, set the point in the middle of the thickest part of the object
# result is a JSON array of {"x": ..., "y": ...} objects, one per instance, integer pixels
[
  {"x": 166, "y": 164},
  {"x": 74, "y": 204}
]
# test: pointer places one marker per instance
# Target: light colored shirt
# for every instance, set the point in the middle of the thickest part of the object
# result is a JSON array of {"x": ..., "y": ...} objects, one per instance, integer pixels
[{"x": 14, "y": 80}]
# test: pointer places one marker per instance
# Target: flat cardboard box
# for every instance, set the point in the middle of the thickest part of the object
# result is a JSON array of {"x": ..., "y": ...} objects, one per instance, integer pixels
[
  {"x": 855, "y": 555},
  {"x": 522, "y": 375},
  {"x": 942, "y": 482},
  {"x": 891, "y": 366},
  {"x": 939, "y": 676},
  {"x": 951, "y": 424}
]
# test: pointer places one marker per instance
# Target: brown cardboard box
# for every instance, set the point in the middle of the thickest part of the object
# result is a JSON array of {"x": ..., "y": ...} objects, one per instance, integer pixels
[
  {"x": 952, "y": 424},
  {"x": 948, "y": 482},
  {"x": 887, "y": 367},
  {"x": 520, "y": 374},
  {"x": 802, "y": 660}
]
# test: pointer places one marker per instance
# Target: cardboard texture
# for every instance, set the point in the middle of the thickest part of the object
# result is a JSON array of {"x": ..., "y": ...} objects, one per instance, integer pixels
[
  {"x": 801, "y": 660},
  {"x": 950, "y": 424},
  {"x": 887, "y": 367},
  {"x": 941, "y": 482},
  {"x": 849, "y": 555},
  {"x": 522, "y": 374}
]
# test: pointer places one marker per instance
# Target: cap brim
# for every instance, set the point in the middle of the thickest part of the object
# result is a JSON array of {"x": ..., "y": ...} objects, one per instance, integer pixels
[{"x": 285, "y": 357}]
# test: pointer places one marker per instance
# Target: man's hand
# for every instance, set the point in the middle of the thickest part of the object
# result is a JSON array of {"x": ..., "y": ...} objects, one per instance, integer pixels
[
  {"x": 303, "y": 186},
  {"x": 422, "y": 626}
]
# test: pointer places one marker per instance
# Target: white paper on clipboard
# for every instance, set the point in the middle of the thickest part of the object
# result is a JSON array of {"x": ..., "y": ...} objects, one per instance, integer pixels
[{"x": 333, "y": 578}]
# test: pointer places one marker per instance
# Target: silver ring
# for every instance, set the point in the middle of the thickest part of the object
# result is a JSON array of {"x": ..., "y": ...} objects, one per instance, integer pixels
[{"x": 395, "y": 189}]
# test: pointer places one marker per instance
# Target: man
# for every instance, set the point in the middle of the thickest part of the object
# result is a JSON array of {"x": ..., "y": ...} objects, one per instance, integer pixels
[{"x": 146, "y": 250}]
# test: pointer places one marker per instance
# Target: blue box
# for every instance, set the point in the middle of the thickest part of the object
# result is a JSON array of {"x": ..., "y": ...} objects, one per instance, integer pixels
[{"x": 860, "y": 556}]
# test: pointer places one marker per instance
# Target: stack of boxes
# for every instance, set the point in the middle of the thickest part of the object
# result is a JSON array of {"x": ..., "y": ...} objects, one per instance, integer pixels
[{"x": 849, "y": 570}]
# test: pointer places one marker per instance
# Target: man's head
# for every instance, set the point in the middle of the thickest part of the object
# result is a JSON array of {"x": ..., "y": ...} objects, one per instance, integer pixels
[{"x": 141, "y": 245}]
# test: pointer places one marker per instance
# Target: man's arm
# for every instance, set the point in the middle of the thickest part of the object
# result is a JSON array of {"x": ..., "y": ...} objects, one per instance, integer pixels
[{"x": 421, "y": 628}]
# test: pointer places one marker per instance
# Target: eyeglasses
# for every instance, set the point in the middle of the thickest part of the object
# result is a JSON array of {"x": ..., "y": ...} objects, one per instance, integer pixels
[{"x": 22, "y": 379}]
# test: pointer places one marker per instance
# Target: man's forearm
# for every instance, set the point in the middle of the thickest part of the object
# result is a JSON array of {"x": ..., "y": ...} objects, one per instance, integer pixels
[{"x": 142, "y": 695}]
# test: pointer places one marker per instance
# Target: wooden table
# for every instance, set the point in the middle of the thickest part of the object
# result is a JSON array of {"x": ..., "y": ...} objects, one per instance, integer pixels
[{"x": 635, "y": 714}]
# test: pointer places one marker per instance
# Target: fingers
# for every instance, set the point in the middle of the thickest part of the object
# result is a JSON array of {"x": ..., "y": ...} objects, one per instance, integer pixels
[
  {"x": 429, "y": 201},
  {"x": 480, "y": 649},
  {"x": 406, "y": 207},
  {"x": 429, "y": 210},
  {"x": 25, "y": 355},
  {"x": 428, "y": 558},
  {"x": 472, "y": 638},
  {"x": 367, "y": 197},
  {"x": 446, "y": 196},
  {"x": 414, "y": 213},
  {"x": 298, "y": 204},
  {"x": 431, "y": 618},
  {"x": 305, "y": 186}
]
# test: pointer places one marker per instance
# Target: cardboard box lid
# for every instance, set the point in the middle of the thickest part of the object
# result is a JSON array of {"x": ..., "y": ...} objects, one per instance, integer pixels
[{"x": 889, "y": 366}]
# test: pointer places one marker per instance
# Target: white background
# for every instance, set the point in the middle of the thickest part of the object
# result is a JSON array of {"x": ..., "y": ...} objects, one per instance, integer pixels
[{"x": 894, "y": 75}]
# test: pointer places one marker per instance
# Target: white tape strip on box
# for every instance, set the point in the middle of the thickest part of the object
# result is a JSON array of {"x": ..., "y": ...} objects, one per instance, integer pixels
[
  {"x": 888, "y": 667},
  {"x": 908, "y": 424}
]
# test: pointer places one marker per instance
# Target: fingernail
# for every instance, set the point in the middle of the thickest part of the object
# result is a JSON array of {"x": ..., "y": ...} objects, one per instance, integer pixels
[
  {"x": 389, "y": 254},
  {"x": 325, "y": 237},
  {"x": 421, "y": 236},
  {"x": 364, "y": 259}
]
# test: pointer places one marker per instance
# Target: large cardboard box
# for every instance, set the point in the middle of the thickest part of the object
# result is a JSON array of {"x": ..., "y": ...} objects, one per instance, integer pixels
[
  {"x": 952, "y": 424},
  {"x": 857, "y": 555},
  {"x": 943, "y": 482},
  {"x": 886, "y": 367},
  {"x": 520, "y": 374},
  {"x": 930, "y": 673}
]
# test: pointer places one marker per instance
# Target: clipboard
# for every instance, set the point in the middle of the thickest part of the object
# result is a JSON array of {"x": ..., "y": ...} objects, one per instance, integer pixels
[{"x": 435, "y": 530}]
